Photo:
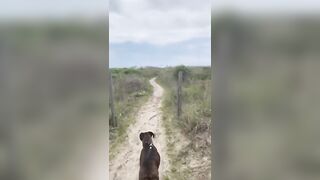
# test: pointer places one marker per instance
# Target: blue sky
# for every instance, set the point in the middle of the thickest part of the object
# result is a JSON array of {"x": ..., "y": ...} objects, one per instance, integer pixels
[
  {"x": 160, "y": 33},
  {"x": 194, "y": 52},
  {"x": 175, "y": 32},
  {"x": 153, "y": 32}
]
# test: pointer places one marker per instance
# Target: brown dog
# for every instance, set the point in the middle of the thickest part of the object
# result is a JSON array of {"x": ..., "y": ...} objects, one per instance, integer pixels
[{"x": 149, "y": 158}]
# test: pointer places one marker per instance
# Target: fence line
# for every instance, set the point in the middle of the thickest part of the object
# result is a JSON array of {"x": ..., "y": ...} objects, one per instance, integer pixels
[
  {"x": 111, "y": 102},
  {"x": 179, "y": 104}
]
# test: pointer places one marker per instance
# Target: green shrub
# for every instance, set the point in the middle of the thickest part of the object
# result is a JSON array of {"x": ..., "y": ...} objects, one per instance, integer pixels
[{"x": 186, "y": 72}]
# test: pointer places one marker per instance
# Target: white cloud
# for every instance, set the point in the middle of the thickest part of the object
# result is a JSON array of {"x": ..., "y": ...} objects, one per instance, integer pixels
[{"x": 159, "y": 21}]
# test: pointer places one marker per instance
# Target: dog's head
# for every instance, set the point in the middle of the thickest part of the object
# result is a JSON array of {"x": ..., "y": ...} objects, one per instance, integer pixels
[{"x": 146, "y": 138}]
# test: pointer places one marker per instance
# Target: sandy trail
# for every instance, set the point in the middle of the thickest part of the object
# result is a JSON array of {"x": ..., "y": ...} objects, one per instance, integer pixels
[{"x": 126, "y": 164}]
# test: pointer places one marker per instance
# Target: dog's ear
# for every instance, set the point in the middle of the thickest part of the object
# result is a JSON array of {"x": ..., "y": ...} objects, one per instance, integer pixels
[
  {"x": 141, "y": 136},
  {"x": 151, "y": 134}
]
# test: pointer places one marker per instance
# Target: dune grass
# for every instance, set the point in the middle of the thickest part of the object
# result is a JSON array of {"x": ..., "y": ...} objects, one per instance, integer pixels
[
  {"x": 131, "y": 90},
  {"x": 194, "y": 124}
]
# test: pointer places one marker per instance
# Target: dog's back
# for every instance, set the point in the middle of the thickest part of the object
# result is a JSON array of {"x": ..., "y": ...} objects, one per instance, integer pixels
[{"x": 149, "y": 160}]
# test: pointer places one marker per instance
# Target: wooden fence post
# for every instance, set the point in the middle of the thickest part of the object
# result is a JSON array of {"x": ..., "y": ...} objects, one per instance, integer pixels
[
  {"x": 111, "y": 102},
  {"x": 180, "y": 75}
]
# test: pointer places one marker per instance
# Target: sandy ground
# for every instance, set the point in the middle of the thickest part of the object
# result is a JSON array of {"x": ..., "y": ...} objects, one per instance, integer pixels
[{"x": 126, "y": 164}]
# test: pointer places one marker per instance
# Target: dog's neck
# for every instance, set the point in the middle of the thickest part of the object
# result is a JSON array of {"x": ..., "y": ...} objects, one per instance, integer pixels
[{"x": 149, "y": 147}]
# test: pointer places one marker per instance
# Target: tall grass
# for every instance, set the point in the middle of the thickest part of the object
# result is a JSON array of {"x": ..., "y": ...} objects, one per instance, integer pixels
[
  {"x": 196, "y": 99},
  {"x": 131, "y": 88},
  {"x": 195, "y": 120}
]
